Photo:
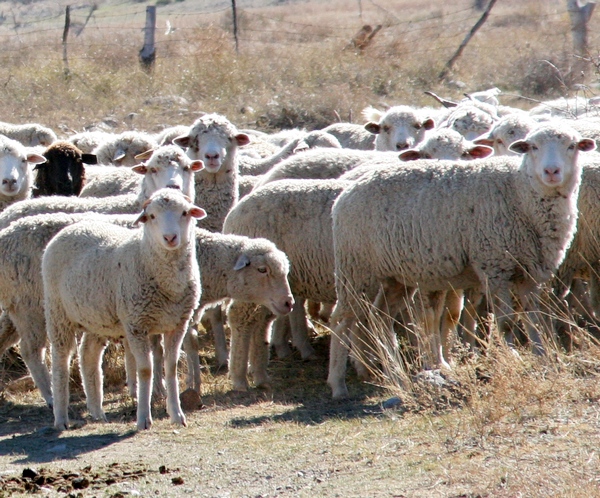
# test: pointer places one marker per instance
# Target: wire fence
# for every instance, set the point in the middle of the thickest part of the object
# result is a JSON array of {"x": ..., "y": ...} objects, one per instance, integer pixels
[{"x": 95, "y": 29}]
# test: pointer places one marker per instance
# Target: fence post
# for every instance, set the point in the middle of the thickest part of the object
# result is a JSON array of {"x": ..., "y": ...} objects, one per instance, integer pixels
[
  {"x": 148, "y": 51},
  {"x": 235, "y": 26},
  {"x": 64, "y": 39}
]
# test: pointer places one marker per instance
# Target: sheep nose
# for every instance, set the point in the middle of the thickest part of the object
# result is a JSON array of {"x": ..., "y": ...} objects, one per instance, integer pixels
[
  {"x": 289, "y": 304},
  {"x": 9, "y": 181},
  {"x": 170, "y": 239},
  {"x": 552, "y": 171},
  {"x": 173, "y": 186},
  {"x": 210, "y": 156},
  {"x": 401, "y": 146}
]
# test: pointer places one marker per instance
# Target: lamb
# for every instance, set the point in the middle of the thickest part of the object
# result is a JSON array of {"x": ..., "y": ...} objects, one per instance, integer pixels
[
  {"x": 111, "y": 281},
  {"x": 15, "y": 174},
  {"x": 399, "y": 128},
  {"x": 21, "y": 293},
  {"x": 167, "y": 166},
  {"x": 295, "y": 215},
  {"x": 30, "y": 134},
  {"x": 122, "y": 149},
  {"x": 63, "y": 172},
  {"x": 516, "y": 219},
  {"x": 445, "y": 143},
  {"x": 471, "y": 119}
]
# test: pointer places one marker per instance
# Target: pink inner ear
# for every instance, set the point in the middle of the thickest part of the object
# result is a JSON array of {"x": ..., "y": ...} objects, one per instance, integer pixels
[
  {"x": 481, "y": 151},
  {"x": 410, "y": 155},
  {"x": 373, "y": 127},
  {"x": 197, "y": 165},
  {"x": 242, "y": 139},
  {"x": 140, "y": 169},
  {"x": 198, "y": 213}
]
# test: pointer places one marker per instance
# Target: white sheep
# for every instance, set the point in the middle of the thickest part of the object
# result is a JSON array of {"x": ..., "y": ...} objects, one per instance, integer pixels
[
  {"x": 121, "y": 149},
  {"x": 16, "y": 175},
  {"x": 471, "y": 119},
  {"x": 296, "y": 216},
  {"x": 30, "y": 134},
  {"x": 563, "y": 107},
  {"x": 499, "y": 224},
  {"x": 213, "y": 139},
  {"x": 111, "y": 282},
  {"x": 399, "y": 128},
  {"x": 352, "y": 136},
  {"x": 505, "y": 131},
  {"x": 167, "y": 166},
  {"x": 446, "y": 143},
  {"x": 87, "y": 141},
  {"x": 21, "y": 289}
]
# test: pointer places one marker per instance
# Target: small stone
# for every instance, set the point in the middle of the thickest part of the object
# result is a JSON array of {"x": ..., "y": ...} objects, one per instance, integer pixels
[
  {"x": 394, "y": 402},
  {"x": 29, "y": 473},
  {"x": 162, "y": 469},
  {"x": 190, "y": 400},
  {"x": 177, "y": 481},
  {"x": 80, "y": 483}
]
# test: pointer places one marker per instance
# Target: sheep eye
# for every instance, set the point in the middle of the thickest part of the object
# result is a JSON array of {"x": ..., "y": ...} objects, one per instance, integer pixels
[
  {"x": 185, "y": 213},
  {"x": 534, "y": 147},
  {"x": 571, "y": 147},
  {"x": 386, "y": 129},
  {"x": 152, "y": 216},
  {"x": 186, "y": 168},
  {"x": 153, "y": 170},
  {"x": 426, "y": 156},
  {"x": 501, "y": 142},
  {"x": 262, "y": 269},
  {"x": 418, "y": 126}
]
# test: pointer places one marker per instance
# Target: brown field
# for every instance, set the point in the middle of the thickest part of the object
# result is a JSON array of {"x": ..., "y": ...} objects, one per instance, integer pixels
[{"x": 503, "y": 425}]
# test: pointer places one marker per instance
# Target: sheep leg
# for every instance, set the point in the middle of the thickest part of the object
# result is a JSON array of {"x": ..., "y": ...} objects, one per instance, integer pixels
[
  {"x": 31, "y": 325},
  {"x": 259, "y": 345},
  {"x": 530, "y": 301},
  {"x": 141, "y": 349},
  {"x": 63, "y": 347},
  {"x": 173, "y": 342},
  {"x": 238, "y": 315},
  {"x": 449, "y": 323},
  {"x": 280, "y": 335},
  {"x": 299, "y": 328},
  {"x": 91, "y": 348},
  {"x": 8, "y": 333},
  {"x": 158, "y": 382},
  {"x": 130, "y": 370},
  {"x": 338, "y": 357},
  {"x": 470, "y": 318},
  {"x": 190, "y": 346},
  {"x": 215, "y": 316}
]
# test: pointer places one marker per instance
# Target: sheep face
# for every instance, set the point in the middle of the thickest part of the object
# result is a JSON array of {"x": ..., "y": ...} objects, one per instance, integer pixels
[
  {"x": 122, "y": 149},
  {"x": 446, "y": 144},
  {"x": 14, "y": 168},
  {"x": 63, "y": 173},
  {"x": 551, "y": 161},
  {"x": 263, "y": 279},
  {"x": 168, "y": 167},
  {"x": 400, "y": 128},
  {"x": 43, "y": 137},
  {"x": 167, "y": 218},
  {"x": 211, "y": 139},
  {"x": 504, "y": 133}
]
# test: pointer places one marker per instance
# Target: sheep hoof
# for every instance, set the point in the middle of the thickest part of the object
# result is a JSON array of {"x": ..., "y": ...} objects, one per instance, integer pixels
[
  {"x": 179, "y": 419},
  {"x": 240, "y": 386},
  {"x": 339, "y": 392},
  {"x": 61, "y": 425},
  {"x": 283, "y": 351},
  {"x": 144, "y": 423},
  {"x": 308, "y": 354}
]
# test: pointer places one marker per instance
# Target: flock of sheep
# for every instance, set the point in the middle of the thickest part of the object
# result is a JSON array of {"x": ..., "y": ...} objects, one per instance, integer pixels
[{"x": 438, "y": 213}]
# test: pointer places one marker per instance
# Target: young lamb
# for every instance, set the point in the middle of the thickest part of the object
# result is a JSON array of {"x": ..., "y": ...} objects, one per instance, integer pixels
[
  {"x": 112, "y": 282},
  {"x": 167, "y": 166},
  {"x": 121, "y": 149},
  {"x": 500, "y": 224},
  {"x": 16, "y": 176},
  {"x": 63, "y": 173},
  {"x": 30, "y": 135},
  {"x": 399, "y": 128}
]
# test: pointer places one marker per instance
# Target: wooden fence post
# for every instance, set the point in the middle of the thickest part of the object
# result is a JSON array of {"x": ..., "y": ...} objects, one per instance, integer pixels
[
  {"x": 64, "y": 39},
  {"x": 148, "y": 51},
  {"x": 235, "y": 26}
]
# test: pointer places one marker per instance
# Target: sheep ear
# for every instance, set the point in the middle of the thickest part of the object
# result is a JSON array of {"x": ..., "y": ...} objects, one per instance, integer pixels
[
  {"x": 302, "y": 145},
  {"x": 429, "y": 124},
  {"x": 183, "y": 141},
  {"x": 89, "y": 158},
  {"x": 373, "y": 128},
  {"x": 35, "y": 159},
  {"x": 242, "y": 139},
  {"x": 410, "y": 155},
  {"x": 480, "y": 151},
  {"x": 484, "y": 140},
  {"x": 144, "y": 155},
  {"x": 119, "y": 154},
  {"x": 198, "y": 213},
  {"x": 140, "y": 169},
  {"x": 586, "y": 144},
  {"x": 197, "y": 165},
  {"x": 142, "y": 218},
  {"x": 242, "y": 262},
  {"x": 520, "y": 147}
]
